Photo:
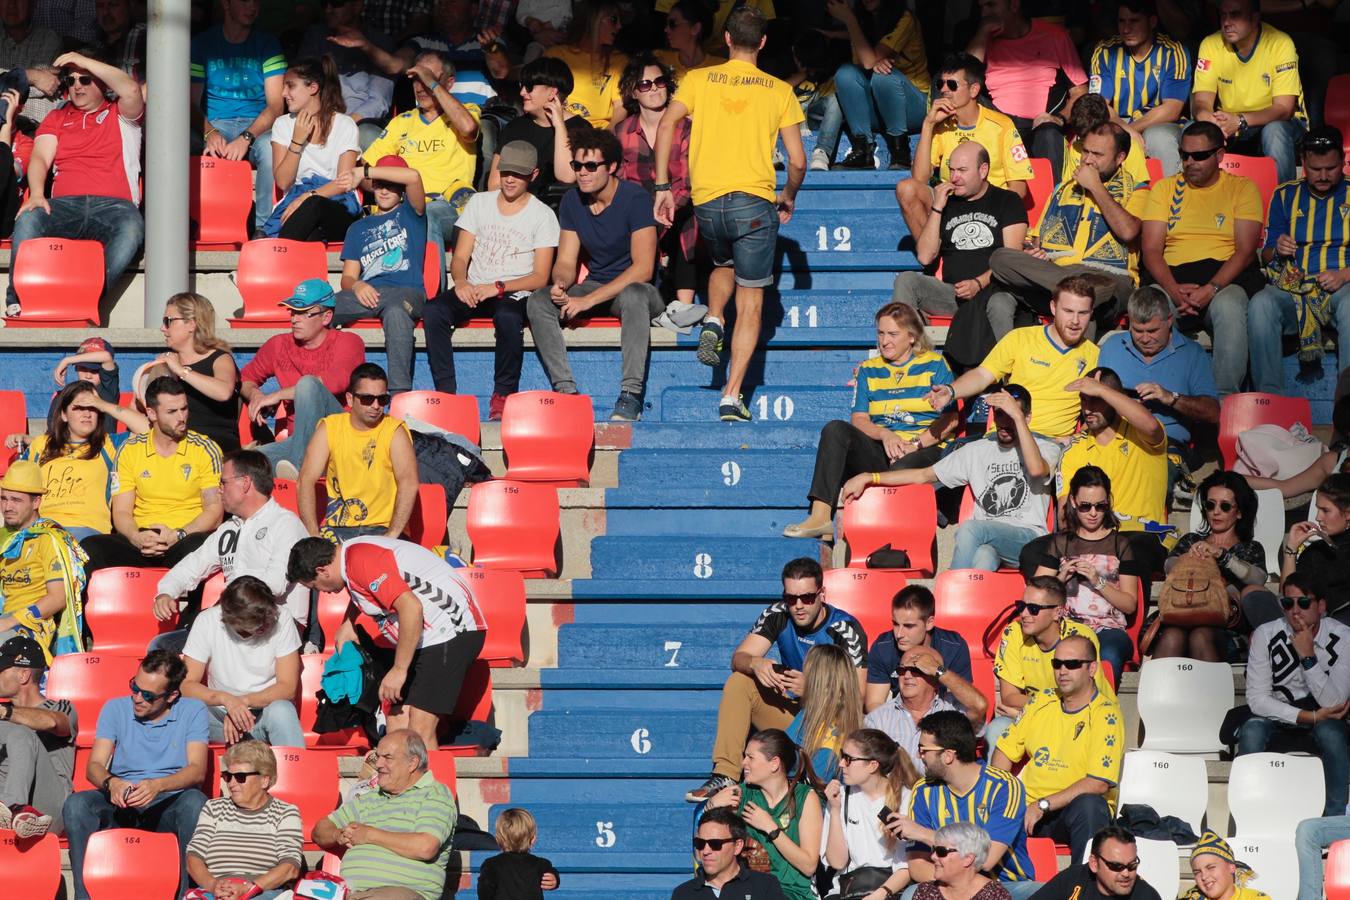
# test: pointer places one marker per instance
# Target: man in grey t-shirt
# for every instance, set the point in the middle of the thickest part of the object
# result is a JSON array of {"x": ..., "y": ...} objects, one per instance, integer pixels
[
  {"x": 1010, "y": 473},
  {"x": 37, "y": 743}
]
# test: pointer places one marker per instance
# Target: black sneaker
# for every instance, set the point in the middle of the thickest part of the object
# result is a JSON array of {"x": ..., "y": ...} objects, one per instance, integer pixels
[
  {"x": 710, "y": 344},
  {"x": 730, "y": 410},
  {"x": 859, "y": 155},
  {"x": 714, "y": 784},
  {"x": 628, "y": 408}
]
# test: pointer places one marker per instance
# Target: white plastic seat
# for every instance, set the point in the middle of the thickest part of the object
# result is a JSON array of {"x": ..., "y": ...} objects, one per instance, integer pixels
[
  {"x": 1158, "y": 866},
  {"x": 1270, "y": 793},
  {"x": 1174, "y": 785},
  {"x": 1274, "y": 861},
  {"x": 1182, "y": 704},
  {"x": 1269, "y": 528}
]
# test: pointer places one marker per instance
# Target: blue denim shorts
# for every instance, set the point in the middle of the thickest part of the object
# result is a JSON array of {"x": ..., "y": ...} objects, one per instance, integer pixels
[{"x": 741, "y": 231}]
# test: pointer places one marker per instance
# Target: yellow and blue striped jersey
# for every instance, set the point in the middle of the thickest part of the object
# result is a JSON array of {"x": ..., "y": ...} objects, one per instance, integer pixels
[
  {"x": 1135, "y": 86},
  {"x": 997, "y": 803},
  {"x": 896, "y": 397},
  {"x": 1320, "y": 225}
]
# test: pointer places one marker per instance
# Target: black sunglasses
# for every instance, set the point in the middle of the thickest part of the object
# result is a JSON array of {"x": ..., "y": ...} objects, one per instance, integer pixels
[
  {"x": 951, "y": 84},
  {"x": 369, "y": 399},
  {"x": 589, "y": 165},
  {"x": 711, "y": 843},
  {"x": 1132, "y": 865},
  {"x": 848, "y": 760},
  {"x": 147, "y": 696},
  {"x": 1085, "y": 507},
  {"x": 647, "y": 84},
  {"x": 1199, "y": 155},
  {"x": 1303, "y": 602},
  {"x": 240, "y": 777},
  {"x": 944, "y": 852},
  {"x": 800, "y": 599},
  {"x": 1223, "y": 505},
  {"x": 1073, "y": 665},
  {"x": 82, "y": 80},
  {"x": 909, "y": 670},
  {"x": 1035, "y": 609}
]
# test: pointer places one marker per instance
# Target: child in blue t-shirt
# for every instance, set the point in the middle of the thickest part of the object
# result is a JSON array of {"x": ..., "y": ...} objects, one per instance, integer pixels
[{"x": 382, "y": 264}]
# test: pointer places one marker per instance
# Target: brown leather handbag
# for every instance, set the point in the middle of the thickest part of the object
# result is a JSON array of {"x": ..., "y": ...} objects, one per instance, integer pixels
[{"x": 1195, "y": 595}]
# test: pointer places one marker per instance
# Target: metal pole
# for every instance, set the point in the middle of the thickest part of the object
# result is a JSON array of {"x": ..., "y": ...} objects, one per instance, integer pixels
[{"x": 166, "y": 156}]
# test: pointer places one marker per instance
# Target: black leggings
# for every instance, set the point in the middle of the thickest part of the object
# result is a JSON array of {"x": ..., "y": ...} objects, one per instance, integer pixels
[
  {"x": 318, "y": 219},
  {"x": 9, "y": 191}
]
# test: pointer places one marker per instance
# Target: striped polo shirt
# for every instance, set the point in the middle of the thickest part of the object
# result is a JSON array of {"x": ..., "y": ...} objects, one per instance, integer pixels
[
  {"x": 427, "y": 807},
  {"x": 245, "y": 843},
  {"x": 896, "y": 397}
]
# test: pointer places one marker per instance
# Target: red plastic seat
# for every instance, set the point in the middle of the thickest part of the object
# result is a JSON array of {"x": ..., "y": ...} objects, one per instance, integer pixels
[
  {"x": 1043, "y": 858},
  {"x": 211, "y": 591},
  {"x": 309, "y": 779},
  {"x": 500, "y": 596},
  {"x": 967, "y": 600},
  {"x": 88, "y": 680},
  {"x": 548, "y": 437},
  {"x": 1155, "y": 170},
  {"x": 33, "y": 867},
  {"x": 1242, "y": 412},
  {"x": 428, "y": 522},
  {"x": 332, "y": 608},
  {"x": 514, "y": 525},
  {"x": 220, "y": 200},
  {"x": 269, "y": 270},
  {"x": 453, "y": 412},
  {"x": 443, "y": 769},
  {"x": 866, "y": 595},
  {"x": 1260, "y": 169},
  {"x": 903, "y": 516},
  {"x": 982, "y": 676},
  {"x": 1039, "y": 189},
  {"x": 1337, "y": 106},
  {"x": 119, "y": 610},
  {"x": 126, "y": 862},
  {"x": 283, "y": 491},
  {"x": 59, "y": 281},
  {"x": 311, "y": 680},
  {"x": 13, "y": 420},
  {"x": 1337, "y": 884}
]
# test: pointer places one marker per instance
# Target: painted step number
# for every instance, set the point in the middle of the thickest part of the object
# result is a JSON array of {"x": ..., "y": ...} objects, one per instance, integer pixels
[
  {"x": 606, "y": 835},
  {"x": 781, "y": 409},
  {"x": 703, "y": 565},
  {"x": 641, "y": 741},
  {"x": 843, "y": 238},
  {"x": 798, "y": 317}
]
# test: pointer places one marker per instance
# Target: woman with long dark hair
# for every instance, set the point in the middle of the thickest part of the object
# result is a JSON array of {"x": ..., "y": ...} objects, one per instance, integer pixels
[
  {"x": 314, "y": 153},
  {"x": 1321, "y": 548},
  {"x": 77, "y": 458},
  {"x": 589, "y": 52},
  {"x": 877, "y": 775},
  {"x": 781, "y": 807},
  {"x": 688, "y": 25},
  {"x": 1097, "y": 565}
]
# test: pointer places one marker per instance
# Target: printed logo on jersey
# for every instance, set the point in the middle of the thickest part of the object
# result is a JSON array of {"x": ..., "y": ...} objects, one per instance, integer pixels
[{"x": 375, "y": 585}]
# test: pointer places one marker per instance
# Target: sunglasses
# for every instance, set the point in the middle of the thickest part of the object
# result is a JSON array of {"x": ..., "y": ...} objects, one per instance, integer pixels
[
  {"x": 1035, "y": 609},
  {"x": 923, "y": 749},
  {"x": 82, "y": 80},
  {"x": 147, "y": 696},
  {"x": 589, "y": 166},
  {"x": 372, "y": 399},
  {"x": 240, "y": 777},
  {"x": 1198, "y": 155},
  {"x": 1073, "y": 665},
  {"x": 800, "y": 599},
  {"x": 312, "y": 314},
  {"x": 169, "y": 320},
  {"x": 1101, "y": 507},
  {"x": 1221, "y": 505},
  {"x": 951, "y": 84},
  {"x": 88, "y": 409},
  {"x": 711, "y": 843},
  {"x": 944, "y": 852},
  {"x": 1303, "y": 602},
  {"x": 1132, "y": 865},
  {"x": 909, "y": 670},
  {"x": 850, "y": 760},
  {"x": 647, "y": 84}
]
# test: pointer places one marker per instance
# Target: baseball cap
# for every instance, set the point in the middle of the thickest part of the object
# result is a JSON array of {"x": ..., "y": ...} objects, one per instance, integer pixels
[
  {"x": 392, "y": 159},
  {"x": 311, "y": 292},
  {"x": 90, "y": 345},
  {"x": 23, "y": 652},
  {"x": 518, "y": 158}
]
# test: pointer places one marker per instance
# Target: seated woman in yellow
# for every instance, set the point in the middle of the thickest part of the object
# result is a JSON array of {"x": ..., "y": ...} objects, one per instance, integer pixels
[
  {"x": 596, "y": 66},
  {"x": 77, "y": 459}
]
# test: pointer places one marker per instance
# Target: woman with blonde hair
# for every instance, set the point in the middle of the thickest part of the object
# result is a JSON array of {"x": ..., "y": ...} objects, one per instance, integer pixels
[
  {"x": 589, "y": 53},
  {"x": 831, "y": 707},
  {"x": 877, "y": 776},
  {"x": 891, "y": 417},
  {"x": 516, "y": 873},
  {"x": 201, "y": 361}
]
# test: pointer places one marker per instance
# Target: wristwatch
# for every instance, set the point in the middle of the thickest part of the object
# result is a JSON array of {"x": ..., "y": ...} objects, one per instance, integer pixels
[
  {"x": 1307, "y": 662},
  {"x": 773, "y": 835},
  {"x": 182, "y": 535},
  {"x": 941, "y": 670},
  {"x": 1043, "y": 805},
  {"x": 249, "y": 136},
  {"x": 1175, "y": 398},
  {"x": 501, "y": 289}
]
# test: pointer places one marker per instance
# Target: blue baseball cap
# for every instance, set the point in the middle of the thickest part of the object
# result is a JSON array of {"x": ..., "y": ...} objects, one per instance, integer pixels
[{"x": 311, "y": 292}]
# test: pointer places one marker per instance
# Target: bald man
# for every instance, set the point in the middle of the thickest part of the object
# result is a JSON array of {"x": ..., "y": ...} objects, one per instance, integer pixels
[{"x": 971, "y": 219}]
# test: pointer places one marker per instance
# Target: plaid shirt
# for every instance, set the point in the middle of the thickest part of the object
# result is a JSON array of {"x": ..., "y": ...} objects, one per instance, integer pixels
[
  {"x": 391, "y": 16},
  {"x": 494, "y": 14},
  {"x": 639, "y": 165}
]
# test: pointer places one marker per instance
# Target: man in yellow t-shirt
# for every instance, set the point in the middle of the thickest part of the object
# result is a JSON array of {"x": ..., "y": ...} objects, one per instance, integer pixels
[
  {"x": 33, "y": 572},
  {"x": 1246, "y": 82},
  {"x": 739, "y": 113},
  {"x": 1201, "y": 231},
  {"x": 438, "y": 139},
  {"x": 1073, "y": 742},
  {"x": 955, "y": 118},
  {"x": 1044, "y": 359},
  {"x": 367, "y": 459},
  {"x": 166, "y": 490}
]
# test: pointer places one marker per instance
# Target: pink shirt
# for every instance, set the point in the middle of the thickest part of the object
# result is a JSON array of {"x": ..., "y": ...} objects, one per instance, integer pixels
[
  {"x": 1019, "y": 73},
  {"x": 280, "y": 357}
]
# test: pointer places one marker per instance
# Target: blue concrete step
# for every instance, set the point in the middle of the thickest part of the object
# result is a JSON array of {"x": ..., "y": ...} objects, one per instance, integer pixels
[
  {"x": 659, "y": 646},
  {"x": 639, "y": 519},
  {"x": 612, "y": 829},
  {"x": 576, "y": 885},
  {"x": 677, "y": 865},
  {"x": 761, "y": 590},
  {"x": 605, "y": 679},
  {"x": 777, "y": 402},
  {"x": 869, "y": 280},
  {"x": 851, "y": 229},
  {"x": 653, "y": 434},
  {"x": 630, "y": 700},
  {"x": 621, "y": 734},
  {"x": 713, "y": 477},
  {"x": 675, "y": 613},
  {"x": 599, "y": 791},
  {"x": 686, "y": 561},
  {"x": 587, "y": 766},
  {"x": 803, "y": 257}
]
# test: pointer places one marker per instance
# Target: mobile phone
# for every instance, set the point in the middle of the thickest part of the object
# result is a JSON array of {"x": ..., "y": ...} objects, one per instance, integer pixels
[
  {"x": 780, "y": 668},
  {"x": 884, "y": 814}
]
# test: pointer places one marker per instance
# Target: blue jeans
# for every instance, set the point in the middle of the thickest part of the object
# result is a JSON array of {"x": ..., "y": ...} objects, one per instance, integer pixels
[
  {"x": 984, "y": 543},
  {"x": 826, "y": 118},
  {"x": 114, "y": 223},
  {"x": 1117, "y": 648},
  {"x": 311, "y": 403},
  {"x": 442, "y": 214},
  {"x": 1270, "y": 316},
  {"x": 741, "y": 230},
  {"x": 398, "y": 310},
  {"x": 1312, "y": 837},
  {"x": 1278, "y": 140},
  {"x": 260, "y": 155},
  {"x": 873, "y": 103},
  {"x": 1329, "y": 734},
  {"x": 86, "y": 812},
  {"x": 278, "y": 725}
]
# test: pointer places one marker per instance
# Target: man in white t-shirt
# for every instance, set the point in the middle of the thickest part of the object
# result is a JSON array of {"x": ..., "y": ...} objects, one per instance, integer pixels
[
  {"x": 243, "y": 662},
  {"x": 424, "y": 610},
  {"x": 1010, "y": 471},
  {"x": 507, "y": 238}
]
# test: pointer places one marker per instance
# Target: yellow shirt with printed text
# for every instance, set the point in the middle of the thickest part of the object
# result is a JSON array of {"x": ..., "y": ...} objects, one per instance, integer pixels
[
  {"x": 444, "y": 160},
  {"x": 1062, "y": 747},
  {"x": 1138, "y": 473},
  {"x": 1247, "y": 85},
  {"x": 1201, "y": 221},
  {"x": 996, "y": 133},
  {"x": 168, "y": 488},
  {"x": 361, "y": 485},
  {"x": 1022, "y": 663},
  {"x": 594, "y": 90},
  {"x": 1029, "y": 357},
  {"x": 78, "y": 489}
]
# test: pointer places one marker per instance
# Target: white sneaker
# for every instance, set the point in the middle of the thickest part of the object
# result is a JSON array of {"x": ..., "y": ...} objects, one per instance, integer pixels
[
  {"x": 820, "y": 161},
  {"x": 286, "y": 469}
]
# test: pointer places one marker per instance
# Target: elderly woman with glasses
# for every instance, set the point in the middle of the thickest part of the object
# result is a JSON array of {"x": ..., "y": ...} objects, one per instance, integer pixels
[
  {"x": 248, "y": 838},
  {"x": 959, "y": 850}
]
